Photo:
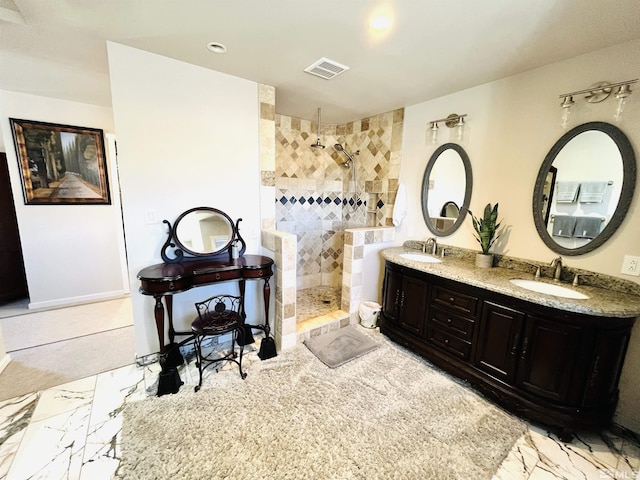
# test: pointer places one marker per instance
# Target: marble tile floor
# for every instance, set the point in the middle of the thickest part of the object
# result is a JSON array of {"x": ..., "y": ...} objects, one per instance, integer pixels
[{"x": 72, "y": 431}]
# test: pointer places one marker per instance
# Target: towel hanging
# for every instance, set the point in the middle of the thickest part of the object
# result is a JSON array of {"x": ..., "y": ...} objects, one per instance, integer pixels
[
  {"x": 400, "y": 205},
  {"x": 567, "y": 192},
  {"x": 563, "y": 226},
  {"x": 587, "y": 227},
  {"x": 592, "y": 192}
]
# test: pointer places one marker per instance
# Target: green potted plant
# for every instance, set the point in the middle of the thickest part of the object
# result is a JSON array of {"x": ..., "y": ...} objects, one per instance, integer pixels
[{"x": 486, "y": 229}]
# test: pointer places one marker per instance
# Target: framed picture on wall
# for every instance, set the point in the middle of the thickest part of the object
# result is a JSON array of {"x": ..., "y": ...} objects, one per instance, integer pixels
[{"x": 61, "y": 164}]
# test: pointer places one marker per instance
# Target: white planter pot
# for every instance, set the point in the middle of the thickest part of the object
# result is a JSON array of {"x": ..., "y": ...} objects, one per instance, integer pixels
[{"x": 484, "y": 260}]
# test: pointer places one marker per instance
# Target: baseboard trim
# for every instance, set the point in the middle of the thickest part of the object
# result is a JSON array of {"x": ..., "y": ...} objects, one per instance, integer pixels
[
  {"x": 71, "y": 301},
  {"x": 628, "y": 423},
  {"x": 4, "y": 362}
]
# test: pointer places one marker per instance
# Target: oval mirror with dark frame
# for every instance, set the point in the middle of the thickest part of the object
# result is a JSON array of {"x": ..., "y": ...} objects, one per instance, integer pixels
[
  {"x": 584, "y": 188},
  {"x": 446, "y": 189},
  {"x": 201, "y": 232}
]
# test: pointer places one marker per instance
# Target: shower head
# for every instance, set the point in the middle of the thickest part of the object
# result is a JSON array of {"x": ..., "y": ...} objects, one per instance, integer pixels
[{"x": 318, "y": 144}]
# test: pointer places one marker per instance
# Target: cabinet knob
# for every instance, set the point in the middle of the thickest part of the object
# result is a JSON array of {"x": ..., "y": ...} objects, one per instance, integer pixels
[
  {"x": 449, "y": 320},
  {"x": 446, "y": 340},
  {"x": 452, "y": 300},
  {"x": 217, "y": 276}
]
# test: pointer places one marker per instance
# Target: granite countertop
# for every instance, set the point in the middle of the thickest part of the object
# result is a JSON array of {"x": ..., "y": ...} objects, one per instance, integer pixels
[{"x": 601, "y": 302}]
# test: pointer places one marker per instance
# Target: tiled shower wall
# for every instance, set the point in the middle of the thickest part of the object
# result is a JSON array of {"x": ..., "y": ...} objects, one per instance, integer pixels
[{"x": 317, "y": 198}]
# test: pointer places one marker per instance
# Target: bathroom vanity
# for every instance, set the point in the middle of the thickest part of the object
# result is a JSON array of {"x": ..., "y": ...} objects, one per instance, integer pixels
[{"x": 552, "y": 360}]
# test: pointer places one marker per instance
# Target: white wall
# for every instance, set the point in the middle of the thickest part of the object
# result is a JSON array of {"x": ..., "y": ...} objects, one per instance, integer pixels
[
  {"x": 187, "y": 137},
  {"x": 512, "y": 124},
  {"x": 72, "y": 253}
]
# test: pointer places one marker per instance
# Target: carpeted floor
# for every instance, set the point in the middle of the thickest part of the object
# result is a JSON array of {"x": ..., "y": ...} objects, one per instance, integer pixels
[
  {"x": 46, "y": 366},
  {"x": 385, "y": 415},
  {"x": 52, "y": 347}
]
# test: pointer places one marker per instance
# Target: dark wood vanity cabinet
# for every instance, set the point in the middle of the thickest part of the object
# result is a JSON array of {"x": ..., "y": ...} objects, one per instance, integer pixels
[{"x": 551, "y": 366}]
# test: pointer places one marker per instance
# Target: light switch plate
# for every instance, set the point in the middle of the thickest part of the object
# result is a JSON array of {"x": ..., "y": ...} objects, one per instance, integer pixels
[{"x": 631, "y": 265}]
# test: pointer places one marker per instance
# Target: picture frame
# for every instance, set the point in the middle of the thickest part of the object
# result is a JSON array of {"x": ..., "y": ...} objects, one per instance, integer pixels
[{"x": 61, "y": 164}]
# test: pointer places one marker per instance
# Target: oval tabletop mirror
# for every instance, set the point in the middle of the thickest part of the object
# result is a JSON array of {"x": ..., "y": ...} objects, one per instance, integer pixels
[
  {"x": 446, "y": 189},
  {"x": 203, "y": 231},
  {"x": 584, "y": 188}
]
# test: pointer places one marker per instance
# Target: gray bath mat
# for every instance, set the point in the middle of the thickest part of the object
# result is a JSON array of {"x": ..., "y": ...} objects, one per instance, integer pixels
[{"x": 341, "y": 346}]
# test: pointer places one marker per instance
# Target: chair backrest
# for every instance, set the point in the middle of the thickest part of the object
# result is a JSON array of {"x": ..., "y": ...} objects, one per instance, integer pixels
[{"x": 219, "y": 310}]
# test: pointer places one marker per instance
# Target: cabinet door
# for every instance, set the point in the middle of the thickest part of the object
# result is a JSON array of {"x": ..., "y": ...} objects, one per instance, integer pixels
[
  {"x": 605, "y": 367},
  {"x": 499, "y": 334},
  {"x": 413, "y": 305},
  {"x": 392, "y": 286},
  {"x": 548, "y": 357}
]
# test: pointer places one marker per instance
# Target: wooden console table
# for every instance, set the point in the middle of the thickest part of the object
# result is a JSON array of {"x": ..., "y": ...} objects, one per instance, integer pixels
[{"x": 164, "y": 280}]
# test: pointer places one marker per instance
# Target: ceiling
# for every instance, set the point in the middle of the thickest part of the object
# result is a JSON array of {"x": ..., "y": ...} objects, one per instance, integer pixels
[{"x": 57, "y": 48}]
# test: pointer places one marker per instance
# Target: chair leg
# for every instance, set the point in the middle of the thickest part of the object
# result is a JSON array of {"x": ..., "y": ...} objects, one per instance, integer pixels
[
  {"x": 199, "y": 361},
  {"x": 239, "y": 332}
]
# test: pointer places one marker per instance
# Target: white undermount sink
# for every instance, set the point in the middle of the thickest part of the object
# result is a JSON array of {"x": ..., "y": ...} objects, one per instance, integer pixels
[
  {"x": 549, "y": 288},
  {"x": 418, "y": 257}
]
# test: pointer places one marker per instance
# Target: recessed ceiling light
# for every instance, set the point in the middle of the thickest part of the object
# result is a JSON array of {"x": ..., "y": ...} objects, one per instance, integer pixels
[
  {"x": 380, "y": 23},
  {"x": 216, "y": 47}
]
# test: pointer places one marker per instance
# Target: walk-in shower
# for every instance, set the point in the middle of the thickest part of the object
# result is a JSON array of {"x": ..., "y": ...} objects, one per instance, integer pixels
[{"x": 315, "y": 200}]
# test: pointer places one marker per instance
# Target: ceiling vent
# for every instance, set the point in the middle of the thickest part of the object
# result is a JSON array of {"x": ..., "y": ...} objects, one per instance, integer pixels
[{"x": 326, "y": 68}]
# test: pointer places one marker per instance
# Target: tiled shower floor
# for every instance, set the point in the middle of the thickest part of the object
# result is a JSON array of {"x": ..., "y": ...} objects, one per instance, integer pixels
[{"x": 316, "y": 301}]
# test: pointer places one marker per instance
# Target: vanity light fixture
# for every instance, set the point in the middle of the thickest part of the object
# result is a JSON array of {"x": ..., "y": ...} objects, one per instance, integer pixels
[
  {"x": 597, "y": 93},
  {"x": 454, "y": 121}
]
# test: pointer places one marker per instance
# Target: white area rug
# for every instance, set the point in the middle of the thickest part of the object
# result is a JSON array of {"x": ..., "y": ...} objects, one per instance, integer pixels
[
  {"x": 386, "y": 415},
  {"x": 341, "y": 346}
]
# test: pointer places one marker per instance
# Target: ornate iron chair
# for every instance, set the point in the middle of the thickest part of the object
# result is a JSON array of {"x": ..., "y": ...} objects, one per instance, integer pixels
[{"x": 218, "y": 315}]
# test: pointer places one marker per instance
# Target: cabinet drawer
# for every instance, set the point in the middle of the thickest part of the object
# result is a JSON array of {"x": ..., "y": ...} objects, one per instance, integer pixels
[
  {"x": 452, "y": 323},
  {"x": 205, "y": 277},
  {"x": 452, "y": 344},
  {"x": 455, "y": 301}
]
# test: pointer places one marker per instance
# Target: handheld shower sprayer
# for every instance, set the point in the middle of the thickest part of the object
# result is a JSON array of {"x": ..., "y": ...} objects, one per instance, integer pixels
[{"x": 348, "y": 163}]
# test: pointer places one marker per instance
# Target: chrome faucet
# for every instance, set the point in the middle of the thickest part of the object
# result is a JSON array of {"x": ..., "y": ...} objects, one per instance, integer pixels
[
  {"x": 557, "y": 263},
  {"x": 434, "y": 248}
]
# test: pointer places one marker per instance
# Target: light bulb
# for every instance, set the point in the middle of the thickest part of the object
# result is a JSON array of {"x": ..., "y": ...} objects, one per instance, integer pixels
[
  {"x": 566, "y": 105},
  {"x": 432, "y": 133},
  {"x": 621, "y": 96},
  {"x": 459, "y": 130}
]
